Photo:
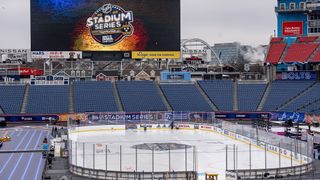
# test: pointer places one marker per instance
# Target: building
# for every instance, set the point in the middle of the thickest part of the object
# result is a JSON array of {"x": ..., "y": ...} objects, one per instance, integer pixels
[
  {"x": 228, "y": 52},
  {"x": 298, "y": 18}
]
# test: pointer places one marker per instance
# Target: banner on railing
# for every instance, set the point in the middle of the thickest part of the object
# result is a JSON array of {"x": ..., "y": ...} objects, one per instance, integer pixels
[
  {"x": 296, "y": 117},
  {"x": 28, "y": 118}
]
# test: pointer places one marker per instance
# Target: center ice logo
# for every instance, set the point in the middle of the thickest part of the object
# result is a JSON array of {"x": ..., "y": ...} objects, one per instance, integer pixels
[{"x": 110, "y": 24}]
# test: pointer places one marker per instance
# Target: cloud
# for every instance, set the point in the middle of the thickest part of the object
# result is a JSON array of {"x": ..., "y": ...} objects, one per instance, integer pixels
[{"x": 215, "y": 21}]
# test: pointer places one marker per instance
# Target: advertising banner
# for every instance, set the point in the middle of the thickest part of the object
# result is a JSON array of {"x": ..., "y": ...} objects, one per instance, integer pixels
[
  {"x": 166, "y": 76},
  {"x": 156, "y": 54},
  {"x": 284, "y": 116},
  {"x": 297, "y": 75},
  {"x": 293, "y": 28},
  {"x": 31, "y": 118},
  {"x": 56, "y": 55},
  {"x": 122, "y": 116},
  {"x": 242, "y": 115},
  {"x": 15, "y": 56}
]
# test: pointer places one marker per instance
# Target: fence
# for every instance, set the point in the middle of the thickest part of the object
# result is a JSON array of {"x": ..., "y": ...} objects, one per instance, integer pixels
[{"x": 90, "y": 156}]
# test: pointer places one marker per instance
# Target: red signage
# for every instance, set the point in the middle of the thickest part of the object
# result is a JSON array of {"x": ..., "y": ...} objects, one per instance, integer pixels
[
  {"x": 294, "y": 28},
  {"x": 29, "y": 71}
]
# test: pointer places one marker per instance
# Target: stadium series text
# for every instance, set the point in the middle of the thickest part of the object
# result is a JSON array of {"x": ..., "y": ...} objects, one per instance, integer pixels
[{"x": 109, "y": 21}]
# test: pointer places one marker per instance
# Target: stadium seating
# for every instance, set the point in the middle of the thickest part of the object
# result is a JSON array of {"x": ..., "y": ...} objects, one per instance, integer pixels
[
  {"x": 304, "y": 99},
  {"x": 220, "y": 93},
  {"x": 48, "y": 99},
  {"x": 307, "y": 39},
  {"x": 275, "y": 53},
  {"x": 140, "y": 96},
  {"x": 316, "y": 57},
  {"x": 311, "y": 107},
  {"x": 276, "y": 40},
  {"x": 249, "y": 96},
  {"x": 185, "y": 97},
  {"x": 282, "y": 91},
  {"x": 93, "y": 97},
  {"x": 300, "y": 52},
  {"x": 11, "y": 98}
]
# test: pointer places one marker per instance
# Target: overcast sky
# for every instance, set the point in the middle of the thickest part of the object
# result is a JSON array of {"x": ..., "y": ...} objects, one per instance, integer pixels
[{"x": 250, "y": 22}]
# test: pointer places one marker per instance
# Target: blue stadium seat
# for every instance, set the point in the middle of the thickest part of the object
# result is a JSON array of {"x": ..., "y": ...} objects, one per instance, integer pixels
[
  {"x": 48, "y": 99},
  {"x": 249, "y": 96},
  {"x": 282, "y": 91},
  {"x": 94, "y": 97},
  {"x": 11, "y": 98},
  {"x": 140, "y": 96},
  {"x": 185, "y": 97},
  {"x": 305, "y": 99},
  {"x": 220, "y": 93}
]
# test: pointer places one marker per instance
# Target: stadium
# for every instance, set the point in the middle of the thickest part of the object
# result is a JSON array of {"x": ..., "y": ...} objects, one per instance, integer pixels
[{"x": 109, "y": 90}]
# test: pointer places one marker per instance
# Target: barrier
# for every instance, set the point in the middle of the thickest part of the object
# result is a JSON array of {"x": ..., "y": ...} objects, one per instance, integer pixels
[
  {"x": 297, "y": 151},
  {"x": 101, "y": 174},
  {"x": 270, "y": 173}
]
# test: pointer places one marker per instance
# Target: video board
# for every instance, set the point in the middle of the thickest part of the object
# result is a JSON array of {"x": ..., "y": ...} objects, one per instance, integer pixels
[{"x": 138, "y": 26}]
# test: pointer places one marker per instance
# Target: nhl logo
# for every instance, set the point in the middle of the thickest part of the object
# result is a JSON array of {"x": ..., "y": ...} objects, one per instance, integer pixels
[{"x": 110, "y": 24}]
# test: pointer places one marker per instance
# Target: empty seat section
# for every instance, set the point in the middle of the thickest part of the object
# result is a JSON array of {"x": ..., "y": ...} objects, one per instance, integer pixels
[
  {"x": 249, "y": 96},
  {"x": 94, "y": 97},
  {"x": 276, "y": 40},
  {"x": 185, "y": 97},
  {"x": 316, "y": 57},
  {"x": 300, "y": 52},
  {"x": 310, "y": 108},
  {"x": 307, "y": 39},
  {"x": 49, "y": 99},
  {"x": 11, "y": 98},
  {"x": 307, "y": 98},
  {"x": 220, "y": 93},
  {"x": 140, "y": 96},
  {"x": 275, "y": 52},
  {"x": 282, "y": 91},
  {"x": 317, "y": 112}
]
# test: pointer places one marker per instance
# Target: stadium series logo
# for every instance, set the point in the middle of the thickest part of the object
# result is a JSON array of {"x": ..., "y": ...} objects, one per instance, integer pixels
[{"x": 110, "y": 24}]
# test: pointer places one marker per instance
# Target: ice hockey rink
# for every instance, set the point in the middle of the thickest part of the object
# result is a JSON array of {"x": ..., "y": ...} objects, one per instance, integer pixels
[{"x": 198, "y": 150}]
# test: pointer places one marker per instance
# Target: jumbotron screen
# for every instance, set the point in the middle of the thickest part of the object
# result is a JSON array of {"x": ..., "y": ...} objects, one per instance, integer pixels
[{"x": 105, "y": 25}]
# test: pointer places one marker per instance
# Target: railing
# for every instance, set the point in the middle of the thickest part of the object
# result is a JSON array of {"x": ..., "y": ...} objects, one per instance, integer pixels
[
  {"x": 297, "y": 9},
  {"x": 298, "y": 151},
  {"x": 122, "y": 175},
  {"x": 270, "y": 172}
]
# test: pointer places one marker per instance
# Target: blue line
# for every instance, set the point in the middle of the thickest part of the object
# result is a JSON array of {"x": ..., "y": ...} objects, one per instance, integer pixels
[
  {"x": 38, "y": 168},
  {"x": 31, "y": 157},
  {"x": 21, "y": 155},
  {"x": 12, "y": 153}
]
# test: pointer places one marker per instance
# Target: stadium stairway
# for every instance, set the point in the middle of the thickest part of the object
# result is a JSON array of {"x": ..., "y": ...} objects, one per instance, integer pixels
[
  {"x": 296, "y": 97},
  {"x": 163, "y": 97},
  {"x": 235, "y": 96},
  {"x": 205, "y": 96},
  {"x": 1, "y": 110},
  {"x": 117, "y": 97},
  {"x": 284, "y": 53},
  {"x": 313, "y": 54},
  {"x": 310, "y": 107},
  {"x": 71, "y": 98},
  {"x": 264, "y": 97},
  {"x": 25, "y": 99}
]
